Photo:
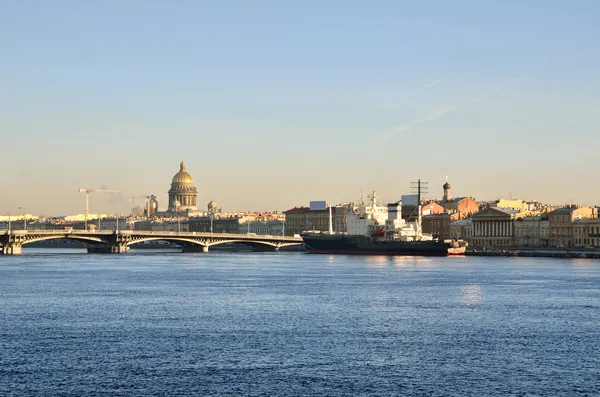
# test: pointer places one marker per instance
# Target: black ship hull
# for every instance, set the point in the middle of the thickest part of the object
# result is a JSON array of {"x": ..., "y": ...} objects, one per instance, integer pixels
[{"x": 362, "y": 245}]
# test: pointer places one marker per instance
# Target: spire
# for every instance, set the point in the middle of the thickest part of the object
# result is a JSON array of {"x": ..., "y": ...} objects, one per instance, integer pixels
[{"x": 182, "y": 166}]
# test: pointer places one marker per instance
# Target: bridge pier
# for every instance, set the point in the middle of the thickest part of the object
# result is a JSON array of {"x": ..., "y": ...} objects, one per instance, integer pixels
[
  {"x": 12, "y": 249},
  {"x": 12, "y": 244},
  {"x": 107, "y": 249},
  {"x": 119, "y": 248},
  {"x": 194, "y": 248}
]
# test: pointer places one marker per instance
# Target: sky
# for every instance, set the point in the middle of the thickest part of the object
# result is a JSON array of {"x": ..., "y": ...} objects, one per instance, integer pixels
[{"x": 276, "y": 103}]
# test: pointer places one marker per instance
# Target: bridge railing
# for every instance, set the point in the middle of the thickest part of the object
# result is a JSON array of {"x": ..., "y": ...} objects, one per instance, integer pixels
[
  {"x": 244, "y": 236},
  {"x": 208, "y": 234}
]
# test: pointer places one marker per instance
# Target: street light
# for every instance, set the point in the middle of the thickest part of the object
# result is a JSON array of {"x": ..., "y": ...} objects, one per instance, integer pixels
[{"x": 177, "y": 206}]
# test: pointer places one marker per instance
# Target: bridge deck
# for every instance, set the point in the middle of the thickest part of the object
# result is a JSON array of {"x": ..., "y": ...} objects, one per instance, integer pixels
[{"x": 135, "y": 233}]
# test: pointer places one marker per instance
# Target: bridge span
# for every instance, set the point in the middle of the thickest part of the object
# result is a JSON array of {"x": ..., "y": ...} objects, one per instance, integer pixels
[{"x": 118, "y": 242}]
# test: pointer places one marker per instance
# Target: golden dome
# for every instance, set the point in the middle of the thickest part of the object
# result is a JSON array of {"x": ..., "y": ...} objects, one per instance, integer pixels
[{"x": 183, "y": 176}]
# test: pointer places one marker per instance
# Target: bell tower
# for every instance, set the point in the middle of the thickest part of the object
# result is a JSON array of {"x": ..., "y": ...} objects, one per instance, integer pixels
[{"x": 446, "y": 191}]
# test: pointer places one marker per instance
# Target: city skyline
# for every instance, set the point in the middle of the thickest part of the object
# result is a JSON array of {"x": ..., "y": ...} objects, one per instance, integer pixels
[
  {"x": 273, "y": 105},
  {"x": 110, "y": 201}
]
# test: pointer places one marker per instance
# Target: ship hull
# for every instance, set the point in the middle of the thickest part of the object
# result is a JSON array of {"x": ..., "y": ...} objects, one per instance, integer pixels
[{"x": 359, "y": 245}]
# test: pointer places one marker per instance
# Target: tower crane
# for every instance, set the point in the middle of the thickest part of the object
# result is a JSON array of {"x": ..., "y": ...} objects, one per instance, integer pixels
[{"x": 87, "y": 192}]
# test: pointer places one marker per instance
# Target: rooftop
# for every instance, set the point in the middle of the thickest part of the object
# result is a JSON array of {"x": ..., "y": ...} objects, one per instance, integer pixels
[{"x": 463, "y": 222}]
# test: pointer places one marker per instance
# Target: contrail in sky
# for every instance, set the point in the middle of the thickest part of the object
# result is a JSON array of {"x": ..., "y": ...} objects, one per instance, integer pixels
[
  {"x": 427, "y": 86},
  {"x": 439, "y": 112}
]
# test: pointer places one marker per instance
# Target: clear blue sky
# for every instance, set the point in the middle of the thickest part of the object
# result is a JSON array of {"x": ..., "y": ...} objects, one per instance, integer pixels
[{"x": 275, "y": 103}]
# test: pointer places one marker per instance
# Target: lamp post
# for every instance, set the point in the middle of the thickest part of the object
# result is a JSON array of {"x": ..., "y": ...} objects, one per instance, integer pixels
[
  {"x": 117, "y": 227},
  {"x": 9, "y": 223},
  {"x": 177, "y": 206}
]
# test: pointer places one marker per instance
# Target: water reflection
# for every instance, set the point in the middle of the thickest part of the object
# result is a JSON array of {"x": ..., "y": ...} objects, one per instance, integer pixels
[
  {"x": 411, "y": 261},
  {"x": 377, "y": 261},
  {"x": 472, "y": 294}
]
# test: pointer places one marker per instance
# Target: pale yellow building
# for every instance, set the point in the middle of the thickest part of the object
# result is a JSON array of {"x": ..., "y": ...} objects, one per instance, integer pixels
[
  {"x": 561, "y": 224},
  {"x": 586, "y": 232},
  {"x": 532, "y": 231},
  {"x": 518, "y": 205}
]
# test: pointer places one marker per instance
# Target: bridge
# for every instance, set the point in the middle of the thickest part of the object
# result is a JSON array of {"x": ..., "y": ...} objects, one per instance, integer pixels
[{"x": 118, "y": 242}]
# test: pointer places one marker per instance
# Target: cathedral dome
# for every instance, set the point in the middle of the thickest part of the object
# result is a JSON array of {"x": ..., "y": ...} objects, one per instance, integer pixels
[
  {"x": 183, "y": 177},
  {"x": 183, "y": 194}
]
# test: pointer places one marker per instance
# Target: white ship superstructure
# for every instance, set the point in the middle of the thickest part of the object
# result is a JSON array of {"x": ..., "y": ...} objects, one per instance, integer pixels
[{"x": 372, "y": 219}]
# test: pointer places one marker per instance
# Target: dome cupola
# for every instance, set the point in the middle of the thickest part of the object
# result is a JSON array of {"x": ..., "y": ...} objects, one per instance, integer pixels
[{"x": 183, "y": 193}]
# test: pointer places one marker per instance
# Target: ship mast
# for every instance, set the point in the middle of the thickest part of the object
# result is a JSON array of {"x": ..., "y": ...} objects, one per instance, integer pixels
[{"x": 421, "y": 187}]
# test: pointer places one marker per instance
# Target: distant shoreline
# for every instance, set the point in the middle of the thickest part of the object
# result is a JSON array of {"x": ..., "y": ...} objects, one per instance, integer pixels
[{"x": 540, "y": 252}]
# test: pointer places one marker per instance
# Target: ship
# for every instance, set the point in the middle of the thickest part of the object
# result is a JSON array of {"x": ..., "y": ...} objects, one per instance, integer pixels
[
  {"x": 371, "y": 230},
  {"x": 325, "y": 243}
]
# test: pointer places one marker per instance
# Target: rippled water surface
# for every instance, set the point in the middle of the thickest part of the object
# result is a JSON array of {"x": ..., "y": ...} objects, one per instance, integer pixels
[{"x": 298, "y": 324}]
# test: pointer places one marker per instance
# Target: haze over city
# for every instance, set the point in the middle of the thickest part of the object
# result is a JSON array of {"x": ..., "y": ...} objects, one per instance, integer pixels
[{"x": 273, "y": 104}]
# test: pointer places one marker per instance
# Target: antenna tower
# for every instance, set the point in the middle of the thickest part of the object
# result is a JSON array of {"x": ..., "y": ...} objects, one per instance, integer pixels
[{"x": 419, "y": 187}]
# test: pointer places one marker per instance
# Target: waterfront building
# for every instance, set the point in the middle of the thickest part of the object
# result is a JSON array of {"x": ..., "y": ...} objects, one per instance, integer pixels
[
  {"x": 340, "y": 216},
  {"x": 494, "y": 227},
  {"x": 110, "y": 224},
  {"x": 183, "y": 194},
  {"x": 169, "y": 226},
  {"x": 263, "y": 228},
  {"x": 561, "y": 224},
  {"x": 586, "y": 232},
  {"x": 532, "y": 231},
  {"x": 438, "y": 225},
  {"x": 410, "y": 214},
  {"x": 145, "y": 225},
  {"x": 462, "y": 230},
  {"x": 300, "y": 219},
  {"x": 207, "y": 224}
]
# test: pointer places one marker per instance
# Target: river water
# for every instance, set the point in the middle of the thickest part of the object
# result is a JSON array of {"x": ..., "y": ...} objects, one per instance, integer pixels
[{"x": 296, "y": 324}]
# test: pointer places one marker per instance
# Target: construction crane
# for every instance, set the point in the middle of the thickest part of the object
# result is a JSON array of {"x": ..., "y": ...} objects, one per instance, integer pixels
[{"x": 87, "y": 200}]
